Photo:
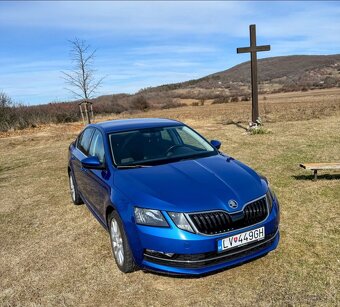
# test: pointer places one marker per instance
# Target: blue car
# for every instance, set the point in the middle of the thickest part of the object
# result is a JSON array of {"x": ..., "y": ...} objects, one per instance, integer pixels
[{"x": 170, "y": 200}]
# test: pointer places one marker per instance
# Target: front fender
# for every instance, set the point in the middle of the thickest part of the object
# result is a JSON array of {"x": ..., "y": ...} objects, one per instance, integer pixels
[{"x": 123, "y": 206}]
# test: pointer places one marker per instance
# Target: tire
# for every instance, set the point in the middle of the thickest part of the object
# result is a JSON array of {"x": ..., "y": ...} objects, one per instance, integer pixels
[
  {"x": 76, "y": 199},
  {"x": 120, "y": 246}
]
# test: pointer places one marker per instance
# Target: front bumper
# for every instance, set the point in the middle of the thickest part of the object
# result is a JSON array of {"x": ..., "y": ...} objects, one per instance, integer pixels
[
  {"x": 196, "y": 254},
  {"x": 211, "y": 262}
]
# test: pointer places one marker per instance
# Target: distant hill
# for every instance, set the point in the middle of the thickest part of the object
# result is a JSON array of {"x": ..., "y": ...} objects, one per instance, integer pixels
[{"x": 275, "y": 74}]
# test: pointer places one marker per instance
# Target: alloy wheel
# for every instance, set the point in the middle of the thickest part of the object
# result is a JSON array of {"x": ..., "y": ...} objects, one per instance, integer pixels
[
  {"x": 72, "y": 188},
  {"x": 117, "y": 242}
]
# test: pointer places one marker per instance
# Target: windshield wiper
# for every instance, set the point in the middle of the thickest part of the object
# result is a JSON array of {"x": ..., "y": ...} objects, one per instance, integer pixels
[{"x": 132, "y": 166}]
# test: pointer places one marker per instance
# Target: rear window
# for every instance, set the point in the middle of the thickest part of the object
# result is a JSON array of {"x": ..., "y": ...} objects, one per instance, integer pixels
[{"x": 84, "y": 140}]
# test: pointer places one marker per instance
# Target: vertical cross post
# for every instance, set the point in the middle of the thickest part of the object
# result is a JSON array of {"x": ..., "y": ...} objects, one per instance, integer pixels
[
  {"x": 253, "y": 61},
  {"x": 253, "y": 49}
]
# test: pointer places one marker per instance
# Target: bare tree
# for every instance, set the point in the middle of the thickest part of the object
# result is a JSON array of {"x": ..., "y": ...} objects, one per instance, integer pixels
[{"x": 80, "y": 79}]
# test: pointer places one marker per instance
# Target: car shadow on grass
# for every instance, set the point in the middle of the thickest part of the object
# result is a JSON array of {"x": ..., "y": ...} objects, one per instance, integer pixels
[{"x": 320, "y": 177}]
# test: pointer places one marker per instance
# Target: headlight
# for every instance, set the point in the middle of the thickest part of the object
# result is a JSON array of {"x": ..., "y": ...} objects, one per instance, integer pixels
[
  {"x": 150, "y": 217},
  {"x": 270, "y": 196},
  {"x": 181, "y": 221}
]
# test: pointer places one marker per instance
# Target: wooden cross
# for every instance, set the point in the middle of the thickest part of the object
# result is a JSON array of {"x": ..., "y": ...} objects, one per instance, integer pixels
[{"x": 253, "y": 49}]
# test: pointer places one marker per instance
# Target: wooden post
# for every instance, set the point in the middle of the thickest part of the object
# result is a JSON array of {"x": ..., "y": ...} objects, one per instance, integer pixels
[
  {"x": 88, "y": 116},
  {"x": 91, "y": 107},
  {"x": 81, "y": 112}
]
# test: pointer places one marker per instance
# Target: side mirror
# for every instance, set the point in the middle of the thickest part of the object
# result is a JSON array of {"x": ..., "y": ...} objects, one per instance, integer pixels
[
  {"x": 92, "y": 163},
  {"x": 217, "y": 144}
]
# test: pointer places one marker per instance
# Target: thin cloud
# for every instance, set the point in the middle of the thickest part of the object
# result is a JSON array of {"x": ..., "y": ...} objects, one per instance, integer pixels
[
  {"x": 142, "y": 44},
  {"x": 147, "y": 50}
]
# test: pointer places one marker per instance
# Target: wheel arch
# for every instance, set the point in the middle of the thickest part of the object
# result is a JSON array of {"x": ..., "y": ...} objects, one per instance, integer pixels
[
  {"x": 129, "y": 228},
  {"x": 109, "y": 210}
]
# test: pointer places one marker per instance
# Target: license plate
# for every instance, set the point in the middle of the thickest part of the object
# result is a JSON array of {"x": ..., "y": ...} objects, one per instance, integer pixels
[{"x": 241, "y": 239}]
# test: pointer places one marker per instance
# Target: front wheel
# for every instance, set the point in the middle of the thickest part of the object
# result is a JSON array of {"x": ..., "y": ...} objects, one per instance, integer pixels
[
  {"x": 76, "y": 199},
  {"x": 119, "y": 243}
]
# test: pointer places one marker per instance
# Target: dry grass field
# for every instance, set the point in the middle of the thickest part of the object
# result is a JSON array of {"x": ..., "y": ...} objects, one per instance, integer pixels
[{"x": 54, "y": 253}]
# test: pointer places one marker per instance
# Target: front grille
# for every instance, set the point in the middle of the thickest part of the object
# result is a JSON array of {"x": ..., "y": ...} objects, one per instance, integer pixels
[
  {"x": 255, "y": 212},
  {"x": 217, "y": 222},
  {"x": 210, "y": 258}
]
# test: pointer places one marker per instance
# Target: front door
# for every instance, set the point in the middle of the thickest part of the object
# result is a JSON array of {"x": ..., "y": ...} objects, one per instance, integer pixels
[{"x": 97, "y": 181}]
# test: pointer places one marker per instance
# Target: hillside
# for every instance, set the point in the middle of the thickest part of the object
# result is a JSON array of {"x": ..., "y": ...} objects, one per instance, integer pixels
[{"x": 276, "y": 74}]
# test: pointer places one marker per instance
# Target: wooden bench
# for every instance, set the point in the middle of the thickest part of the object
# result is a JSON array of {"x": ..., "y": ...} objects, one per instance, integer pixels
[{"x": 320, "y": 166}]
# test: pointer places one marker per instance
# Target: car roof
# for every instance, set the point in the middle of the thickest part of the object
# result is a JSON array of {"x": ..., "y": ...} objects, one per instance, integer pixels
[{"x": 135, "y": 123}]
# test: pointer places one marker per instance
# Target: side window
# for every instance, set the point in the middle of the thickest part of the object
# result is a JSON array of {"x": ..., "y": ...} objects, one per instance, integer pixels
[
  {"x": 84, "y": 140},
  {"x": 165, "y": 135},
  {"x": 97, "y": 146},
  {"x": 190, "y": 138}
]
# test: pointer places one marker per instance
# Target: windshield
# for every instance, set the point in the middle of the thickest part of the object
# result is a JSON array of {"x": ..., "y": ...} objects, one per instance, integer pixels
[{"x": 154, "y": 146}]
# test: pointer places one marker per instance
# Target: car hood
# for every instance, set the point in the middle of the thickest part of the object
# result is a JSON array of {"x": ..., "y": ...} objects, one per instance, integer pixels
[{"x": 191, "y": 185}]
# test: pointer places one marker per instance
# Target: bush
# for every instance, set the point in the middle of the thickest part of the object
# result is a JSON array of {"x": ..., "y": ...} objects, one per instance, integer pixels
[
  {"x": 221, "y": 100},
  {"x": 169, "y": 104},
  {"x": 20, "y": 116},
  {"x": 330, "y": 82},
  {"x": 140, "y": 103},
  {"x": 5, "y": 100},
  {"x": 109, "y": 107},
  {"x": 6, "y": 112},
  {"x": 17, "y": 116},
  {"x": 234, "y": 99}
]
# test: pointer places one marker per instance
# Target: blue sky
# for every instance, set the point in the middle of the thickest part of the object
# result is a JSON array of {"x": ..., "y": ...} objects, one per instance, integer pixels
[{"x": 143, "y": 44}]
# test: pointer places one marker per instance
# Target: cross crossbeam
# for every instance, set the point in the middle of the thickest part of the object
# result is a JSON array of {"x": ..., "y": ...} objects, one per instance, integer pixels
[{"x": 253, "y": 49}]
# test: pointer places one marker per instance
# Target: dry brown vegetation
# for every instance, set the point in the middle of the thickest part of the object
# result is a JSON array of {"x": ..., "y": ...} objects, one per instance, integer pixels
[
  {"x": 53, "y": 253},
  {"x": 18, "y": 117}
]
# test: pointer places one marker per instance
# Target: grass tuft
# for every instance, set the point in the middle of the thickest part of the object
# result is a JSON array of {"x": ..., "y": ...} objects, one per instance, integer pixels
[{"x": 259, "y": 130}]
